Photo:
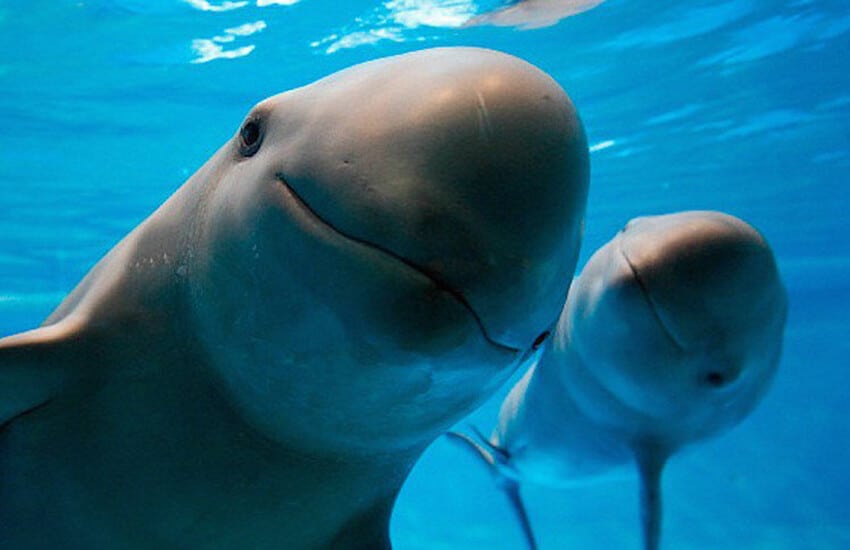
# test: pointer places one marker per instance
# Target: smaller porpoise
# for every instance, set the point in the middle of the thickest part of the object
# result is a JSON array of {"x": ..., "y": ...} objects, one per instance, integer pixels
[
  {"x": 671, "y": 334},
  {"x": 532, "y": 14}
]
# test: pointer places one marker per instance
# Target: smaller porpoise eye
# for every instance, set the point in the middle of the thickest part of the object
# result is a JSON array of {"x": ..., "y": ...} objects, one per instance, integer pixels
[
  {"x": 250, "y": 137},
  {"x": 715, "y": 379}
]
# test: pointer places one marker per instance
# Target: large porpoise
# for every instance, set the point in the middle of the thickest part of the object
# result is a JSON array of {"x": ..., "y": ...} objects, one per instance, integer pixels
[
  {"x": 671, "y": 334},
  {"x": 261, "y": 361}
]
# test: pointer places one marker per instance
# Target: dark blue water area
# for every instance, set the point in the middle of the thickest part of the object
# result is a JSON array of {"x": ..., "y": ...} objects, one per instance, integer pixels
[{"x": 741, "y": 106}]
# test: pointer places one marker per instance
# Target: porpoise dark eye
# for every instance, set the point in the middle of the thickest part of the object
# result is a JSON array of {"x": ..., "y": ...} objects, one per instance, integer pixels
[
  {"x": 715, "y": 379},
  {"x": 540, "y": 339},
  {"x": 250, "y": 137}
]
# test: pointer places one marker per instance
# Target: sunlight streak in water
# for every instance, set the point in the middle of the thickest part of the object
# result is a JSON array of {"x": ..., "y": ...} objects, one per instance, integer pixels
[
  {"x": 247, "y": 29},
  {"x": 203, "y": 5},
  {"x": 691, "y": 22},
  {"x": 358, "y": 38},
  {"x": 602, "y": 145},
  {"x": 394, "y": 19},
  {"x": 430, "y": 13},
  {"x": 675, "y": 115},
  {"x": 264, "y": 3},
  {"x": 768, "y": 122}
]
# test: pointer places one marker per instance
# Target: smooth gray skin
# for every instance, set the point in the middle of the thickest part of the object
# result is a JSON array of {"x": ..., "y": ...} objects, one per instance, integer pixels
[
  {"x": 671, "y": 334},
  {"x": 261, "y": 361},
  {"x": 533, "y": 14}
]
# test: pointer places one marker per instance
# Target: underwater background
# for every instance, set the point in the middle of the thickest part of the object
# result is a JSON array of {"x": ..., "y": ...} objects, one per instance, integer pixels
[{"x": 106, "y": 106}]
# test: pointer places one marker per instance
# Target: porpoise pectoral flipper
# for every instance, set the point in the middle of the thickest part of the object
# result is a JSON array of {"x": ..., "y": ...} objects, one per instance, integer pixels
[
  {"x": 650, "y": 462},
  {"x": 671, "y": 334},
  {"x": 33, "y": 366},
  {"x": 498, "y": 459}
]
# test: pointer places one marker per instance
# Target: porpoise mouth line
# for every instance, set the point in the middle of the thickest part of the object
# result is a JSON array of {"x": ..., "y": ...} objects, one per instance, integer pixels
[
  {"x": 428, "y": 274},
  {"x": 652, "y": 306}
]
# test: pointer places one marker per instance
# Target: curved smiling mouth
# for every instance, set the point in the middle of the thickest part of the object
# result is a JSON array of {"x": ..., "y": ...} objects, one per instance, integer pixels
[
  {"x": 427, "y": 273},
  {"x": 652, "y": 305}
]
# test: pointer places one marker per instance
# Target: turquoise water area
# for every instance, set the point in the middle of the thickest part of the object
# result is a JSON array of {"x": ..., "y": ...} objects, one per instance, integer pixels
[{"x": 738, "y": 105}]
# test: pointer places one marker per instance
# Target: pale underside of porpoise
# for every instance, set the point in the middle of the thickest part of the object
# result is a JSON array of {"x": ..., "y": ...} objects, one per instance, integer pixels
[
  {"x": 533, "y": 14},
  {"x": 671, "y": 334},
  {"x": 261, "y": 361}
]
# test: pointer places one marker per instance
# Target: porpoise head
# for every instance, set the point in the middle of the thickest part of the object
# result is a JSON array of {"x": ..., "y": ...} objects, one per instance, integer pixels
[
  {"x": 380, "y": 247},
  {"x": 678, "y": 321}
]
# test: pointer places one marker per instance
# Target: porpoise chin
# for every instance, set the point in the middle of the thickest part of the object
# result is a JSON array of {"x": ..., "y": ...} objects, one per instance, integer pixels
[
  {"x": 671, "y": 334},
  {"x": 261, "y": 361}
]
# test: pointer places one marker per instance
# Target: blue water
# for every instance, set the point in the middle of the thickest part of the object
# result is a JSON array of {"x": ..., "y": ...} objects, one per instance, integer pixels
[{"x": 743, "y": 106}]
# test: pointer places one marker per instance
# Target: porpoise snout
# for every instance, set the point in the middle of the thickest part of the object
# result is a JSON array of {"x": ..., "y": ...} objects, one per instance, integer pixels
[
  {"x": 709, "y": 277},
  {"x": 468, "y": 164}
]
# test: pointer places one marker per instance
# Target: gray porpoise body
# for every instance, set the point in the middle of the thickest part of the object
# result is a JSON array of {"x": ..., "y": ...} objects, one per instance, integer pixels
[
  {"x": 261, "y": 361},
  {"x": 671, "y": 334}
]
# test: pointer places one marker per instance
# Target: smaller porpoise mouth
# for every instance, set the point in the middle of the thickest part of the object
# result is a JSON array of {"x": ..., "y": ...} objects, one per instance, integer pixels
[
  {"x": 715, "y": 378},
  {"x": 652, "y": 305},
  {"x": 429, "y": 274}
]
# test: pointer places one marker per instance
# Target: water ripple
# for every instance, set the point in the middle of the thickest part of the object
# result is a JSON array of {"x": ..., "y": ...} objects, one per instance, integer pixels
[
  {"x": 203, "y": 5},
  {"x": 686, "y": 24},
  {"x": 768, "y": 37},
  {"x": 779, "y": 119},
  {"x": 395, "y": 20},
  {"x": 209, "y": 49}
]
